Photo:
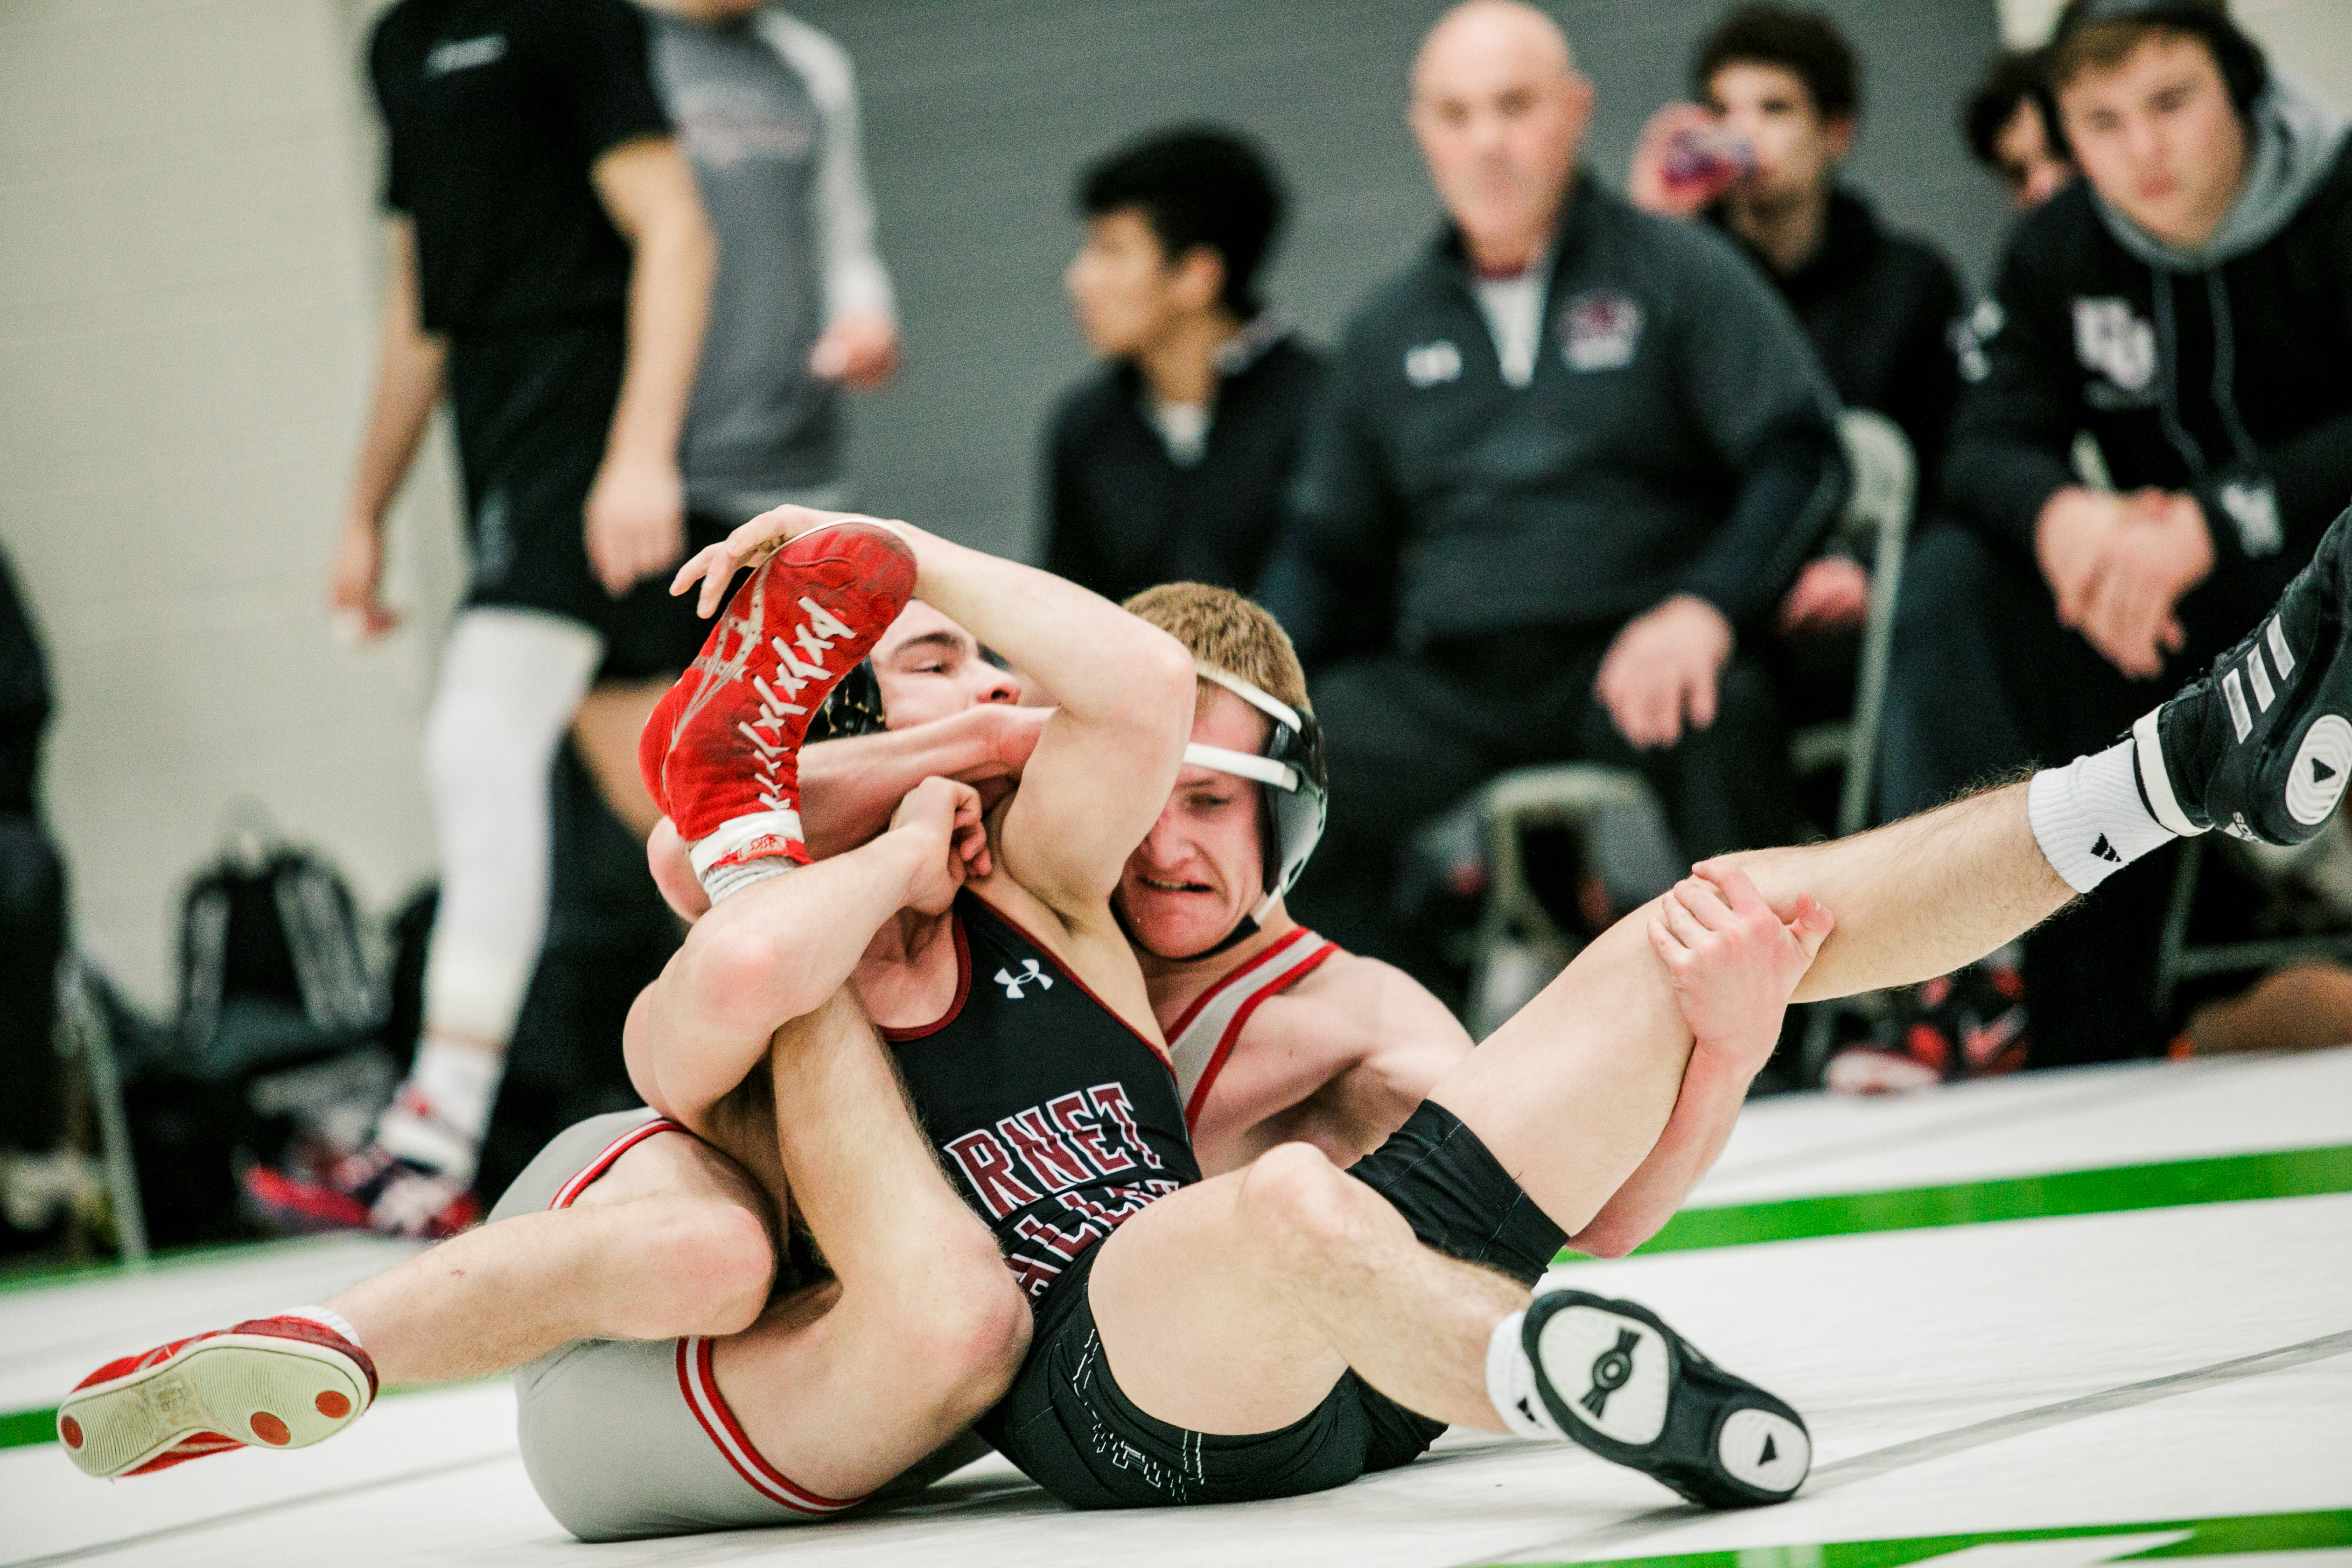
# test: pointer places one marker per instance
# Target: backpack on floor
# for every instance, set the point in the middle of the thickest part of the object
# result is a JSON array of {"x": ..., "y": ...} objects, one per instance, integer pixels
[{"x": 270, "y": 959}]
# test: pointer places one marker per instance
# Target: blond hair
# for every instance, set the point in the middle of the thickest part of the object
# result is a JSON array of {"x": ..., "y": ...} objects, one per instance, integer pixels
[{"x": 1223, "y": 630}]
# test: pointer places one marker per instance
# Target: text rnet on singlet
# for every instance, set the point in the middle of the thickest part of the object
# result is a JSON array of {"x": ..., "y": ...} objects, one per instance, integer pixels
[{"x": 1057, "y": 1178}]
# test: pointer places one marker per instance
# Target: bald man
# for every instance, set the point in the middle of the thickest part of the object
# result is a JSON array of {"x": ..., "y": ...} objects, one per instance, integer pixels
[{"x": 1573, "y": 453}]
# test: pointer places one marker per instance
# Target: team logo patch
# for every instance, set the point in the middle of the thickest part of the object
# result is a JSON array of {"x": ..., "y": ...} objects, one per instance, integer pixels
[
  {"x": 1433, "y": 365},
  {"x": 1031, "y": 974},
  {"x": 2252, "y": 507},
  {"x": 2113, "y": 341},
  {"x": 1598, "y": 330}
]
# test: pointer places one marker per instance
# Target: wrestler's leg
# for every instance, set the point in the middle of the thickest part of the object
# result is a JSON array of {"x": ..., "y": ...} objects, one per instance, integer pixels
[
  {"x": 847, "y": 1386},
  {"x": 1572, "y": 1092},
  {"x": 672, "y": 1239},
  {"x": 1234, "y": 1305},
  {"x": 1225, "y": 1306},
  {"x": 624, "y": 1227}
]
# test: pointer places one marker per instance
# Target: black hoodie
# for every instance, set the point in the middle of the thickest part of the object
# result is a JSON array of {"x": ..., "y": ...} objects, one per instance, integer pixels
[{"x": 2225, "y": 373}]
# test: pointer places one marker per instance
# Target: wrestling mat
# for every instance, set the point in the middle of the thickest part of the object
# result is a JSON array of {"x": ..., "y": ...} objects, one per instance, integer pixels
[{"x": 2077, "y": 1318}]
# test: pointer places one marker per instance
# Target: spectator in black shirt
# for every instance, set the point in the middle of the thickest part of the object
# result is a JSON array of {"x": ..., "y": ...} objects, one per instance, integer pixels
[
  {"x": 1169, "y": 463},
  {"x": 551, "y": 267},
  {"x": 1780, "y": 103},
  {"x": 2007, "y": 125}
]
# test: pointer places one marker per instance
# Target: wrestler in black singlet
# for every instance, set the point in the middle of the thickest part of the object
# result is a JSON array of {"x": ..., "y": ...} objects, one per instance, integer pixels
[
  {"x": 1055, "y": 1119},
  {"x": 1057, "y": 1122}
]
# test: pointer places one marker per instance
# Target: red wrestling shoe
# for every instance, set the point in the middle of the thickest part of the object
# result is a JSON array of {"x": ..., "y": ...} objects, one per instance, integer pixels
[
  {"x": 270, "y": 1382},
  {"x": 721, "y": 753},
  {"x": 1968, "y": 1024},
  {"x": 372, "y": 1189}
]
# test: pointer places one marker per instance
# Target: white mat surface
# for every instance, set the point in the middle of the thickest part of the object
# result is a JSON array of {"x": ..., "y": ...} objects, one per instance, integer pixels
[{"x": 1959, "y": 1381}]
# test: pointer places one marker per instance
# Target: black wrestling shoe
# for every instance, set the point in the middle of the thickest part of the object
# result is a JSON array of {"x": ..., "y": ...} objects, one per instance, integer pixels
[
  {"x": 2261, "y": 745},
  {"x": 1620, "y": 1382}
]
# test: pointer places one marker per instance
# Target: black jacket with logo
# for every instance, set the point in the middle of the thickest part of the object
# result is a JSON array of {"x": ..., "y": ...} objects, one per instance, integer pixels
[
  {"x": 2233, "y": 384},
  {"x": 1677, "y": 437}
]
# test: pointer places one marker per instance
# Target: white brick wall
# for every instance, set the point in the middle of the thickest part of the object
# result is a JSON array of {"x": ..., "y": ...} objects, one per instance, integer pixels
[{"x": 188, "y": 279}]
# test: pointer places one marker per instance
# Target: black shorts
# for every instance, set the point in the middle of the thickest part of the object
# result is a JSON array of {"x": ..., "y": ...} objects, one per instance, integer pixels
[
  {"x": 1458, "y": 1198},
  {"x": 533, "y": 408},
  {"x": 1071, "y": 1428}
]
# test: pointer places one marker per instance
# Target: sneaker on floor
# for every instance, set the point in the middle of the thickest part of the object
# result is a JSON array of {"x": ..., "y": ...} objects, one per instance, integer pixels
[
  {"x": 372, "y": 1189},
  {"x": 1622, "y": 1384},
  {"x": 1968, "y": 1024},
  {"x": 720, "y": 754},
  {"x": 2261, "y": 745},
  {"x": 271, "y": 1383}
]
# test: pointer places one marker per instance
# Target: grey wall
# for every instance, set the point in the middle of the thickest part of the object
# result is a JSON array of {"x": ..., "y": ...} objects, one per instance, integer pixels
[{"x": 977, "y": 112}]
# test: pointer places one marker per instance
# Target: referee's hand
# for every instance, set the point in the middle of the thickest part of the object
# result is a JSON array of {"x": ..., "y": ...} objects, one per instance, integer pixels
[{"x": 636, "y": 522}]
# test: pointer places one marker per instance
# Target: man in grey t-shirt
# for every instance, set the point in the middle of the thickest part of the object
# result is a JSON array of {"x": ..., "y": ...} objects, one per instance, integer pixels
[{"x": 767, "y": 108}]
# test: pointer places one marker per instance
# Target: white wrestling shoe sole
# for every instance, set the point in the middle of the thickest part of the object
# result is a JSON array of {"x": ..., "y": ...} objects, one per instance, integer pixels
[
  {"x": 260, "y": 1390},
  {"x": 1624, "y": 1385}
]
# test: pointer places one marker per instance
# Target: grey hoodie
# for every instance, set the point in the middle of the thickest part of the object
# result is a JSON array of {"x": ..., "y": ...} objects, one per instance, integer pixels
[{"x": 2296, "y": 135}]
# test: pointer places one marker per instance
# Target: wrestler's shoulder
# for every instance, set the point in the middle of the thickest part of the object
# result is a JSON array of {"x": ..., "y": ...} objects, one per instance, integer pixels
[{"x": 1368, "y": 998}]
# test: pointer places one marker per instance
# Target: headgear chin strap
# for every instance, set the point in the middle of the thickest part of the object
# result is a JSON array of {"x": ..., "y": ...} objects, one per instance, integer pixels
[{"x": 1293, "y": 790}]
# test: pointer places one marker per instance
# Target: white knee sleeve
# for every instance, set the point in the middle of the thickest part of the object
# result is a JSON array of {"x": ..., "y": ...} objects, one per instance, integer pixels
[{"x": 510, "y": 682}]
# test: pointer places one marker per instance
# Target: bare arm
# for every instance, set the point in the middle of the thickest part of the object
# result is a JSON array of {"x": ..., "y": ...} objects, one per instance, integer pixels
[
  {"x": 850, "y": 788},
  {"x": 636, "y": 508},
  {"x": 776, "y": 950},
  {"x": 1109, "y": 755},
  {"x": 1733, "y": 961},
  {"x": 410, "y": 363}
]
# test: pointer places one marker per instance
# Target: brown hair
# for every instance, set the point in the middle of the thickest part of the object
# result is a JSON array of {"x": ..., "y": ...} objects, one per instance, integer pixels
[
  {"x": 2104, "y": 46},
  {"x": 1223, "y": 628}
]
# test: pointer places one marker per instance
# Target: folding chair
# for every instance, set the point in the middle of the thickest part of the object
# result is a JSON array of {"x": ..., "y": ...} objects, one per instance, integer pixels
[
  {"x": 83, "y": 1035},
  {"x": 2177, "y": 961},
  {"x": 1517, "y": 947}
]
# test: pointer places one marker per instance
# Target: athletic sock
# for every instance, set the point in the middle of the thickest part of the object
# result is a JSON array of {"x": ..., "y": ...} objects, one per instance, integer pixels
[
  {"x": 747, "y": 849},
  {"x": 326, "y": 1318},
  {"x": 439, "y": 1115},
  {"x": 2091, "y": 818},
  {"x": 1511, "y": 1385},
  {"x": 721, "y": 880}
]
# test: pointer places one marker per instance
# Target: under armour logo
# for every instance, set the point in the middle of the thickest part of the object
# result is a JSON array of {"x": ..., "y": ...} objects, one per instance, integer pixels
[
  {"x": 1610, "y": 1370},
  {"x": 2106, "y": 851},
  {"x": 1030, "y": 971}
]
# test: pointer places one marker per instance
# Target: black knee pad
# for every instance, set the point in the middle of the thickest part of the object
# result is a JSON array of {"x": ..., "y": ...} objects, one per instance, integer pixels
[{"x": 1458, "y": 1198}]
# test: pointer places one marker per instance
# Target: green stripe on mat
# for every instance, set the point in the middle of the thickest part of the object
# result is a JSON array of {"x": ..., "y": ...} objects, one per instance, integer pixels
[
  {"x": 22, "y": 1428},
  {"x": 2230, "y": 1178},
  {"x": 2207, "y": 1537},
  {"x": 2295, "y": 1172},
  {"x": 26, "y": 1428}
]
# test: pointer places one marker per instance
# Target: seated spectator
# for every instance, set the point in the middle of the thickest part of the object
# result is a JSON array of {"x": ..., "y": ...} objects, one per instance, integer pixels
[
  {"x": 1779, "y": 105},
  {"x": 1581, "y": 451},
  {"x": 2006, "y": 123},
  {"x": 32, "y": 905},
  {"x": 2185, "y": 302},
  {"x": 1169, "y": 463}
]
